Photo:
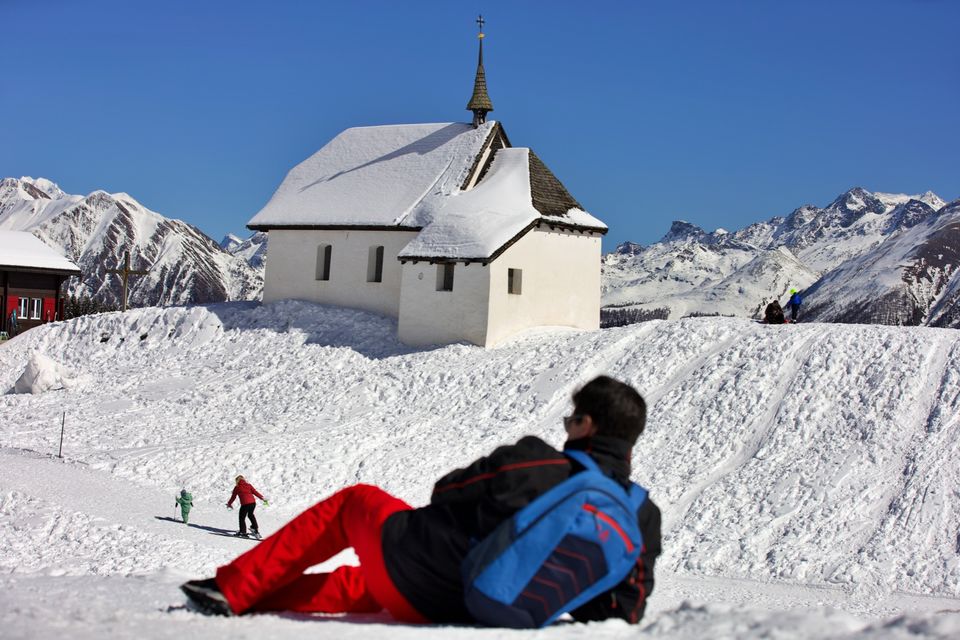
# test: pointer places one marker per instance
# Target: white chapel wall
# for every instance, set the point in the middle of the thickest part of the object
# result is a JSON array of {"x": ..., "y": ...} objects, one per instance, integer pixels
[
  {"x": 291, "y": 268},
  {"x": 560, "y": 284},
  {"x": 428, "y": 316}
]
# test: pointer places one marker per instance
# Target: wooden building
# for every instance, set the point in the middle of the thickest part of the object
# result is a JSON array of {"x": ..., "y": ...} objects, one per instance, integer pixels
[{"x": 31, "y": 277}]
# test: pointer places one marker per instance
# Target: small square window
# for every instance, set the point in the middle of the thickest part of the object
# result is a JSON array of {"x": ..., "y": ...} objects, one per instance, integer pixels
[
  {"x": 514, "y": 281},
  {"x": 444, "y": 277}
]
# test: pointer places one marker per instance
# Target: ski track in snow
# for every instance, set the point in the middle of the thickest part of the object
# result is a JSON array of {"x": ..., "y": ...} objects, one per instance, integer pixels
[{"x": 808, "y": 474}]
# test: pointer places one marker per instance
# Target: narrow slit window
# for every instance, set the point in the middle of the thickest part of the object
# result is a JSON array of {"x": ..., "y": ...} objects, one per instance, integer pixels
[
  {"x": 514, "y": 281},
  {"x": 444, "y": 277},
  {"x": 375, "y": 265},
  {"x": 324, "y": 252}
]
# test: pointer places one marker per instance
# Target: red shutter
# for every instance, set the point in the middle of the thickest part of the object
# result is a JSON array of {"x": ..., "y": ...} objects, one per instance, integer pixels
[{"x": 49, "y": 310}]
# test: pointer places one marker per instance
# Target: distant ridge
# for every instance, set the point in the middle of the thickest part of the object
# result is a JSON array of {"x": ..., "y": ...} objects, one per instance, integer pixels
[{"x": 867, "y": 257}]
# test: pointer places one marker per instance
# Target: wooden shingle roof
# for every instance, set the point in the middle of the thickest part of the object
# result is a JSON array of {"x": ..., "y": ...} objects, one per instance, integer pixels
[
  {"x": 549, "y": 195},
  {"x": 480, "y": 100}
]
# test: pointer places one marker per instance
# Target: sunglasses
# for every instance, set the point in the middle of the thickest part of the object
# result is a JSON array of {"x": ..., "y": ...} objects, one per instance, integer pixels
[{"x": 571, "y": 420}]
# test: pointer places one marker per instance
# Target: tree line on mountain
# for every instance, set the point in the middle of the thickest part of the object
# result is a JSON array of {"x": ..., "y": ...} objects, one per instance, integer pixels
[
  {"x": 621, "y": 317},
  {"x": 76, "y": 306}
]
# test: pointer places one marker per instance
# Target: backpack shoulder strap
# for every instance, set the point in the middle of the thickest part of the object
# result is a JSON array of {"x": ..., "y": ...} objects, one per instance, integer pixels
[
  {"x": 583, "y": 459},
  {"x": 638, "y": 495}
]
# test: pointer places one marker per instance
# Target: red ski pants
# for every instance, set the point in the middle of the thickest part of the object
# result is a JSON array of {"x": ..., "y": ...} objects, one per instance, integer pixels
[{"x": 270, "y": 576}]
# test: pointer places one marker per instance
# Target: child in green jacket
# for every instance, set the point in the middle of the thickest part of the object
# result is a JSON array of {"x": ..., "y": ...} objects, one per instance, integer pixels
[{"x": 186, "y": 503}]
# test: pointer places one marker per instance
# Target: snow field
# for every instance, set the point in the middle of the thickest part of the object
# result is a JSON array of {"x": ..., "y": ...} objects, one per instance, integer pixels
[{"x": 797, "y": 467}]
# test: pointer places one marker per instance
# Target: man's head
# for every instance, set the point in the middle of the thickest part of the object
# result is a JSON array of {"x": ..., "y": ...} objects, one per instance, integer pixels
[{"x": 607, "y": 407}]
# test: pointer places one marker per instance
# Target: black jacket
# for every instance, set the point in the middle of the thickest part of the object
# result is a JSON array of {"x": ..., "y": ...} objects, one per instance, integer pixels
[{"x": 424, "y": 548}]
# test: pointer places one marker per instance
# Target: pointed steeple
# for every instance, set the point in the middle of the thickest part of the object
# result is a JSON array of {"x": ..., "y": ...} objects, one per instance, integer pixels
[{"x": 480, "y": 102}]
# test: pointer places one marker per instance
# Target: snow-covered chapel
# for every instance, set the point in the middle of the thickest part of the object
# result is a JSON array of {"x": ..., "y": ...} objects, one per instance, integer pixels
[{"x": 446, "y": 227}]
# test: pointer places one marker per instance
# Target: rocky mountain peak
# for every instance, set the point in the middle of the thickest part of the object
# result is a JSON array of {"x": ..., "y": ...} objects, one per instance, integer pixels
[
  {"x": 628, "y": 249},
  {"x": 230, "y": 242},
  {"x": 909, "y": 214},
  {"x": 681, "y": 231},
  {"x": 853, "y": 204}
]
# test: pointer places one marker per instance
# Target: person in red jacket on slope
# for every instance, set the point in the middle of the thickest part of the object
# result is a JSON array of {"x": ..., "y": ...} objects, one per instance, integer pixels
[{"x": 245, "y": 492}]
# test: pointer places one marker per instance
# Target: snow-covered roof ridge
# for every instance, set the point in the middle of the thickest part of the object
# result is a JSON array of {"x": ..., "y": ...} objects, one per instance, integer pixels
[
  {"x": 411, "y": 176},
  {"x": 478, "y": 223},
  {"x": 372, "y": 176},
  {"x": 24, "y": 250}
]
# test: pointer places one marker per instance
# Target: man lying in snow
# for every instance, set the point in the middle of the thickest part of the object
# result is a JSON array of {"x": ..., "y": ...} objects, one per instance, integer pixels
[{"x": 411, "y": 559}]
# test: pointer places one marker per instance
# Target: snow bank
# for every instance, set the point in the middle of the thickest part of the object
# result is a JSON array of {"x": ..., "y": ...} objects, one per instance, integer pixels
[
  {"x": 798, "y": 467},
  {"x": 43, "y": 374}
]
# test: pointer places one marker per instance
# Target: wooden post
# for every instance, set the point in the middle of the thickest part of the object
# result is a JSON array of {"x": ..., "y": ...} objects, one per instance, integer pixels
[
  {"x": 126, "y": 272},
  {"x": 63, "y": 423}
]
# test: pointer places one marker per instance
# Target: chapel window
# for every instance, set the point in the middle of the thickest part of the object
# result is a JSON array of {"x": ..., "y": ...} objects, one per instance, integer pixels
[
  {"x": 375, "y": 264},
  {"x": 445, "y": 277},
  {"x": 324, "y": 252},
  {"x": 514, "y": 281}
]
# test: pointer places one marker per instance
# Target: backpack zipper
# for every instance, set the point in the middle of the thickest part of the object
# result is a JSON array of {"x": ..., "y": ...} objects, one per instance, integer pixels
[{"x": 611, "y": 522}]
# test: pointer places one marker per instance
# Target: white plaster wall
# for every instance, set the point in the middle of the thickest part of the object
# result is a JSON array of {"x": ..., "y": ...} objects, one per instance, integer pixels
[
  {"x": 292, "y": 260},
  {"x": 560, "y": 287},
  {"x": 428, "y": 316}
]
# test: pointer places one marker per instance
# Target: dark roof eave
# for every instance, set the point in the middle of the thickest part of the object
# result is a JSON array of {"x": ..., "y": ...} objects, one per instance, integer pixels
[
  {"x": 572, "y": 226},
  {"x": 23, "y": 269},
  {"x": 509, "y": 243},
  {"x": 331, "y": 227}
]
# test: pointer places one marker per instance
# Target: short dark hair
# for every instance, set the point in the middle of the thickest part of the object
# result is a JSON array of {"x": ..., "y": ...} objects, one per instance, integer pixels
[{"x": 616, "y": 408}]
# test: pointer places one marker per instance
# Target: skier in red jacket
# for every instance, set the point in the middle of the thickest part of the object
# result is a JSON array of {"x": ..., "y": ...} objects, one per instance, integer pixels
[
  {"x": 410, "y": 559},
  {"x": 245, "y": 491}
]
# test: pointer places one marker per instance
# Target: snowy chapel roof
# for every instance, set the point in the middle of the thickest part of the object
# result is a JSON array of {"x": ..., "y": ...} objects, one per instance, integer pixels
[
  {"x": 411, "y": 177},
  {"x": 21, "y": 250}
]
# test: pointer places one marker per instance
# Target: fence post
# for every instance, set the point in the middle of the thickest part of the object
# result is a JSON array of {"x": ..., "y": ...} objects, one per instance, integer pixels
[{"x": 63, "y": 423}]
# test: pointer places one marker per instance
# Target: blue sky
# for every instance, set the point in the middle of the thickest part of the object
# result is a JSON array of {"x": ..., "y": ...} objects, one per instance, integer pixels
[{"x": 717, "y": 112}]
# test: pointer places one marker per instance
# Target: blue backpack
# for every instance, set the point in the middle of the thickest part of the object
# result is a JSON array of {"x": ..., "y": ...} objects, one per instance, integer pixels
[{"x": 574, "y": 542}]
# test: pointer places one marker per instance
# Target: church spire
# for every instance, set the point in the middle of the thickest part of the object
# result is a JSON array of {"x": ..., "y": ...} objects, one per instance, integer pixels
[{"x": 480, "y": 102}]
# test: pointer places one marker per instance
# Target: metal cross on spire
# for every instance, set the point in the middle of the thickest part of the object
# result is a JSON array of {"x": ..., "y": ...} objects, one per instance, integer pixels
[{"x": 480, "y": 102}]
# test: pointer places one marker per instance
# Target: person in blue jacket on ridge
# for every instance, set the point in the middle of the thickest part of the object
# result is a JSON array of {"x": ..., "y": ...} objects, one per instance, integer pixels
[{"x": 794, "y": 304}]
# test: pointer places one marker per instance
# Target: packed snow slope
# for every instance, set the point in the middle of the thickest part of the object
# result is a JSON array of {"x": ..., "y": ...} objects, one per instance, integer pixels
[{"x": 808, "y": 474}]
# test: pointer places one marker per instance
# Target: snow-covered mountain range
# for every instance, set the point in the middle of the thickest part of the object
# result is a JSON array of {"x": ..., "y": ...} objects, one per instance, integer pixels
[
  {"x": 253, "y": 250},
  {"x": 94, "y": 231},
  {"x": 866, "y": 257}
]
